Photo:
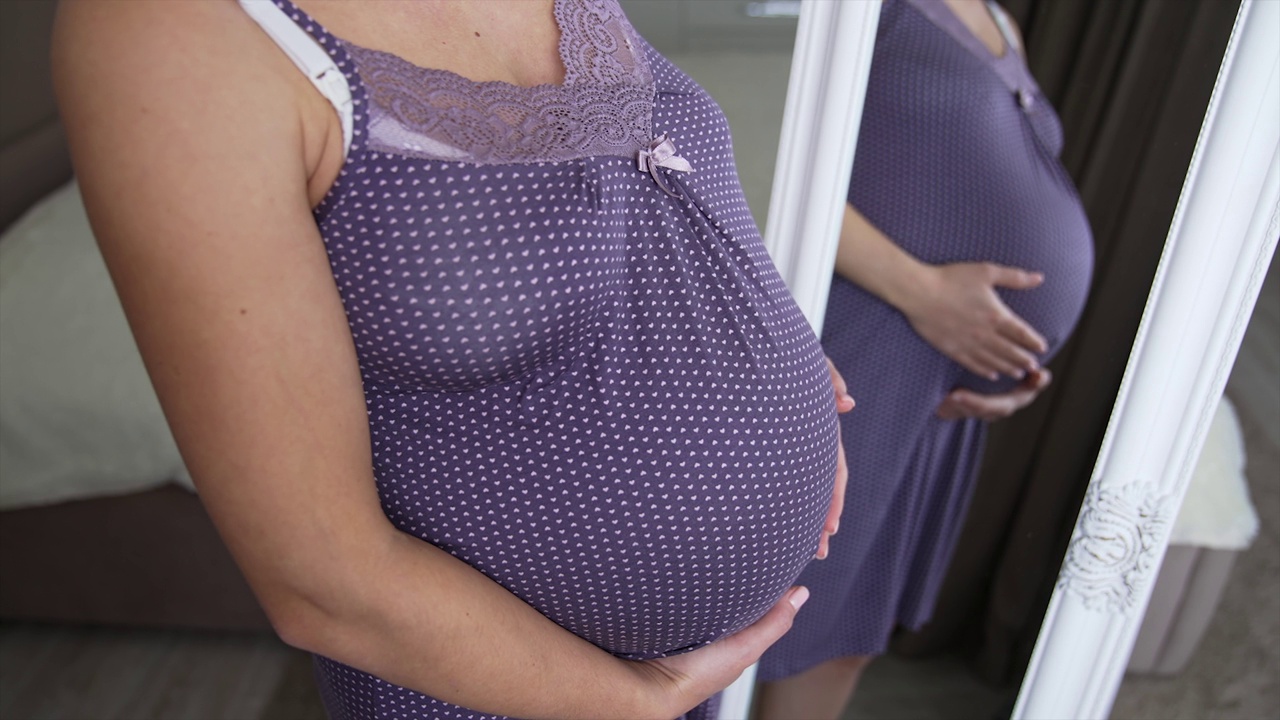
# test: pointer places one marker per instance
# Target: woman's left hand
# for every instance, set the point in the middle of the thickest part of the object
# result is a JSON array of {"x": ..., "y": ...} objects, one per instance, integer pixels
[
  {"x": 844, "y": 403},
  {"x": 963, "y": 403}
]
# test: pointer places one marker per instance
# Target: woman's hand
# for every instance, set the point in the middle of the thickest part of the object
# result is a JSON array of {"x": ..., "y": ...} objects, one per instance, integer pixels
[
  {"x": 844, "y": 403},
  {"x": 688, "y": 679},
  {"x": 956, "y": 309},
  {"x": 963, "y": 403}
]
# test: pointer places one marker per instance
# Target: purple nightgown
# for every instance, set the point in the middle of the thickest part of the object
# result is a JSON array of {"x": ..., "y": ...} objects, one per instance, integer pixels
[
  {"x": 957, "y": 161},
  {"x": 585, "y": 379}
]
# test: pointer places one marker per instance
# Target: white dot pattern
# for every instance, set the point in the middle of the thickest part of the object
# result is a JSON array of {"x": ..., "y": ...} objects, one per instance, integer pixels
[
  {"x": 601, "y": 396},
  {"x": 954, "y": 168}
]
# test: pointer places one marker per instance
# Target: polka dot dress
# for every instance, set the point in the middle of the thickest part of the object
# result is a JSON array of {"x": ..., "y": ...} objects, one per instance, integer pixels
[
  {"x": 584, "y": 376},
  {"x": 956, "y": 162}
]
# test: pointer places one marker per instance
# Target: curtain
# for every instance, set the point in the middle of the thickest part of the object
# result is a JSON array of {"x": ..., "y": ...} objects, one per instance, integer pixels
[{"x": 1131, "y": 80}]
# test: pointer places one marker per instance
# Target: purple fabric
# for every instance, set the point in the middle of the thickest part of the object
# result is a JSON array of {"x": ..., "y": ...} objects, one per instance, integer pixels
[
  {"x": 600, "y": 395},
  {"x": 956, "y": 161}
]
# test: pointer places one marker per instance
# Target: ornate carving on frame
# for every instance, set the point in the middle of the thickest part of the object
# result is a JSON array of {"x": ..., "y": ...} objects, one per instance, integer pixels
[{"x": 1118, "y": 538}]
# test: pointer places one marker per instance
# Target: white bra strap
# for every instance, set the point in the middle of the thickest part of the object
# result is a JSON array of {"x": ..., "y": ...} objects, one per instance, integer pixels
[
  {"x": 1005, "y": 23},
  {"x": 310, "y": 58}
]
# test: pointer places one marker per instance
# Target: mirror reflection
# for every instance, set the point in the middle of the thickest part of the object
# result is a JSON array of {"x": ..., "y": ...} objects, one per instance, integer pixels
[
  {"x": 964, "y": 262},
  {"x": 960, "y": 591}
]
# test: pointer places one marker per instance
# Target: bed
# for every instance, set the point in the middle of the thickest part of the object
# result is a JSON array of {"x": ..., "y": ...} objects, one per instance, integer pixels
[{"x": 98, "y": 522}]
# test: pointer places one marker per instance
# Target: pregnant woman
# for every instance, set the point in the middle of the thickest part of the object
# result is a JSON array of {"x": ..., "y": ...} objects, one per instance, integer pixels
[
  {"x": 965, "y": 255},
  {"x": 468, "y": 339}
]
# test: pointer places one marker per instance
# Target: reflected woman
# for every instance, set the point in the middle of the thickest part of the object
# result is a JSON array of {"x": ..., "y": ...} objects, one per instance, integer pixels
[{"x": 964, "y": 261}]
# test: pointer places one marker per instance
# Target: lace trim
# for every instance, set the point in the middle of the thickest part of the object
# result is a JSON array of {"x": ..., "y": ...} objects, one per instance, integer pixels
[
  {"x": 604, "y": 106},
  {"x": 593, "y": 35}
]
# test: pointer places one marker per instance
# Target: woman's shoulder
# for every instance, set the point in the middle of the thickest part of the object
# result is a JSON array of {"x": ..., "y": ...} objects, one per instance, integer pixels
[
  {"x": 170, "y": 36},
  {"x": 166, "y": 71}
]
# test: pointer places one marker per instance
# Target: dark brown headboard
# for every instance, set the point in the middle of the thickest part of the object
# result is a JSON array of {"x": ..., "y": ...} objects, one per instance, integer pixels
[{"x": 33, "y": 152}]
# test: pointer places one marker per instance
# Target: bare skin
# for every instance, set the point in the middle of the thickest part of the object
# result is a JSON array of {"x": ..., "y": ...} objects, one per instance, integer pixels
[
  {"x": 513, "y": 43},
  {"x": 963, "y": 403},
  {"x": 205, "y": 223},
  {"x": 977, "y": 18},
  {"x": 956, "y": 309},
  {"x": 844, "y": 403}
]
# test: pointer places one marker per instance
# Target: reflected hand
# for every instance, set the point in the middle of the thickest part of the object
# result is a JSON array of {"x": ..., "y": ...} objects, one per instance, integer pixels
[
  {"x": 683, "y": 681},
  {"x": 962, "y": 403},
  {"x": 958, "y": 312},
  {"x": 844, "y": 403}
]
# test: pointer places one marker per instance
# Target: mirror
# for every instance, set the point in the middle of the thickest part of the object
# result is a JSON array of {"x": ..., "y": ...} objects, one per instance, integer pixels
[
  {"x": 1206, "y": 645},
  {"x": 1080, "y": 654}
]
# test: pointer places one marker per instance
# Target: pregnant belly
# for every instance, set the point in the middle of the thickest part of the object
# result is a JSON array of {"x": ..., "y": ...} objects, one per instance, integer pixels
[
  {"x": 1052, "y": 309},
  {"x": 1061, "y": 248},
  {"x": 649, "y": 515}
]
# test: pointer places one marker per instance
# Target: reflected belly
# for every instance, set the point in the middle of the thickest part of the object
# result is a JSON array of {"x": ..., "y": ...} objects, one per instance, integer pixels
[
  {"x": 648, "y": 516},
  {"x": 1064, "y": 254},
  {"x": 1038, "y": 226}
]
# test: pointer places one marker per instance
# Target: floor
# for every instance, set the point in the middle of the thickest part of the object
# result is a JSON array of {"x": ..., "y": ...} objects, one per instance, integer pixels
[
  {"x": 68, "y": 673},
  {"x": 938, "y": 688}
]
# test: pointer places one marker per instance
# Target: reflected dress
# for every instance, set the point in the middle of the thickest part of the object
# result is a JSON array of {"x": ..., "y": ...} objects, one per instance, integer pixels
[
  {"x": 584, "y": 376},
  {"x": 957, "y": 161}
]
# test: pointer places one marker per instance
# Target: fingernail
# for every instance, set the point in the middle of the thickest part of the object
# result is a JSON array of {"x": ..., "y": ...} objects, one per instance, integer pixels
[
  {"x": 799, "y": 597},
  {"x": 835, "y": 528}
]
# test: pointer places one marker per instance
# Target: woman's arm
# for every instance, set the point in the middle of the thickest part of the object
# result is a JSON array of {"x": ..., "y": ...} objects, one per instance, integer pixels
[
  {"x": 953, "y": 307},
  {"x": 195, "y": 141}
]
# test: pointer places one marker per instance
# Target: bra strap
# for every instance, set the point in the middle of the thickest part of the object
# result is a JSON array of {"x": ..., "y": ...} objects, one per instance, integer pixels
[
  {"x": 1006, "y": 26},
  {"x": 310, "y": 58}
]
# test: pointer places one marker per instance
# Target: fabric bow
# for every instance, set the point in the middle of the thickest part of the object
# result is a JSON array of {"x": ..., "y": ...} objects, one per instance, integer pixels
[{"x": 662, "y": 153}]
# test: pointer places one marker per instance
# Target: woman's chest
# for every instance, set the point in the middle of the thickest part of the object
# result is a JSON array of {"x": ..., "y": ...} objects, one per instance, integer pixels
[{"x": 455, "y": 275}]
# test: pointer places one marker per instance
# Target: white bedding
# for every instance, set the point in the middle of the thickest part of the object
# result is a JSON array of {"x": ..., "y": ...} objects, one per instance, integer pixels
[
  {"x": 78, "y": 416},
  {"x": 1217, "y": 512}
]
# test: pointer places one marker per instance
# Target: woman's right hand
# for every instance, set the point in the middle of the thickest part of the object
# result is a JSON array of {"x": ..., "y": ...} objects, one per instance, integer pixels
[
  {"x": 956, "y": 310},
  {"x": 683, "y": 681}
]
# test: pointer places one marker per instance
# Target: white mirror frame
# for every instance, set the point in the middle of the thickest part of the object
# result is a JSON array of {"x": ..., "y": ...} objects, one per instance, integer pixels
[
  {"x": 1220, "y": 243},
  {"x": 829, "y": 67}
]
